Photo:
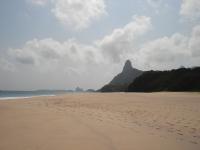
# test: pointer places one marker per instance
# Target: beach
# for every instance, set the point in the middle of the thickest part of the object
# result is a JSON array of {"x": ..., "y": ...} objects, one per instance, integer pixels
[{"x": 110, "y": 121}]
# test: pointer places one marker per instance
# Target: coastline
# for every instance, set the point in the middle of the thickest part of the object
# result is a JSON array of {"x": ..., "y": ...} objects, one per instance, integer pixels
[{"x": 24, "y": 97}]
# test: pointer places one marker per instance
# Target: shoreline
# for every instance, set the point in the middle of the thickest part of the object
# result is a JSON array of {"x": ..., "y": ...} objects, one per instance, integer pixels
[
  {"x": 33, "y": 96},
  {"x": 24, "y": 97}
]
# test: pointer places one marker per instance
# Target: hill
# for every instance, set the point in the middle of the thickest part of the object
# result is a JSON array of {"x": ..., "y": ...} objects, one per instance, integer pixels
[
  {"x": 183, "y": 79},
  {"x": 121, "y": 82}
]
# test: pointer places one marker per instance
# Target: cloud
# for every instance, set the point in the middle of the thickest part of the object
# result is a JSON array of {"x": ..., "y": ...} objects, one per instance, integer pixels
[
  {"x": 69, "y": 63},
  {"x": 166, "y": 52},
  {"x": 124, "y": 40},
  {"x": 194, "y": 43},
  {"x": 123, "y": 43},
  {"x": 190, "y": 9},
  {"x": 40, "y": 52},
  {"x": 78, "y": 14},
  {"x": 43, "y": 53},
  {"x": 74, "y": 14},
  {"x": 171, "y": 52}
]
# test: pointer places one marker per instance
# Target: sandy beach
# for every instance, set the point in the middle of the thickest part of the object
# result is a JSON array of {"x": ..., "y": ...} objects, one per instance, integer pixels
[{"x": 118, "y": 121}]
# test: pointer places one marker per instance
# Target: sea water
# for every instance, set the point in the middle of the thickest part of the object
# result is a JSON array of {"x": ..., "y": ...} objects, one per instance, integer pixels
[{"x": 28, "y": 94}]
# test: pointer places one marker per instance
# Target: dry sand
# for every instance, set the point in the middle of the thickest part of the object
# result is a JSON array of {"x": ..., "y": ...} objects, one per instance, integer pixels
[{"x": 119, "y": 121}]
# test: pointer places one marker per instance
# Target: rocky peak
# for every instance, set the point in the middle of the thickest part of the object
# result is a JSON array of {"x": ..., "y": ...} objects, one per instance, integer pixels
[
  {"x": 121, "y": 81},
  {"x": 127, "y": 66}
]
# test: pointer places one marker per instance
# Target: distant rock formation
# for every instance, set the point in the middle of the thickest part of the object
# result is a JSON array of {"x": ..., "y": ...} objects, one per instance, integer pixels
[
  {"x": 183, "y": 79},
  {"x": 121, "y": 82},
  {"x": 78, "y": 89},
  {"x": 90, "y": 90}
]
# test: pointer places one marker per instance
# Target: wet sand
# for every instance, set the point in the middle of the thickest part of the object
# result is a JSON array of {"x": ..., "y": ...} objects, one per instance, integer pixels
[{"x": 118, "y": 121}]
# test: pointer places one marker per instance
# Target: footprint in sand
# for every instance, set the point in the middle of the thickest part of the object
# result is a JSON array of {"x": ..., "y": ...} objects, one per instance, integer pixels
[
  {"x": 196, "y": 136},
  {"x": 180, "y": 134},
  {"x": 192, "y": 130},
  {"x": 193, "y": 142}
]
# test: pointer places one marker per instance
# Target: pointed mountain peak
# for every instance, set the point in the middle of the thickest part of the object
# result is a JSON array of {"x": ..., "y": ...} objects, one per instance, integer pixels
[
  {"x": 121, "y": 81},
  {"x": 127, "y": 66}
]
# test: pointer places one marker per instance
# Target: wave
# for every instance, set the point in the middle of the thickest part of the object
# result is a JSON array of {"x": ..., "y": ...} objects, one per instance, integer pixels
[{"x": 22, "y": 97}]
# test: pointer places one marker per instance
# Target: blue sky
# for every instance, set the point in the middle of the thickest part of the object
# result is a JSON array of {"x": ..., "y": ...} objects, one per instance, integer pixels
[{"x": 78, "y": 40}]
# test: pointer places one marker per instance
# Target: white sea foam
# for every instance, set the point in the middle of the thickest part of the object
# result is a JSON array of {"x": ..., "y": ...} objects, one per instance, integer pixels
[{"x": 25, "y": 97}]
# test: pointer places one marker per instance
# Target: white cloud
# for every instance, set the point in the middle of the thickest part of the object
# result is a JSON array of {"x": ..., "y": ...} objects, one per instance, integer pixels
[
  {"x": 166, "y": 52},
  {"x": 123, "y": 43},
  {"x": 41, "y": 52},
  {"x": 171, "y": 52},
  {"x": 194, "y": 43},
  {"x": 64, "y": 64},
  {"x": 75, "y": 14},
  {"x": 190, "y": 9},
  {"x": 78, "y": 14},
  {"x": 49, "y": 52},
  {"x": 124, "y": 40}
]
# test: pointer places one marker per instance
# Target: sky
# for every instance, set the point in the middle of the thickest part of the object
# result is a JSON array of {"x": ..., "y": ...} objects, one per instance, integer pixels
[{"x": 62, "y": 44}]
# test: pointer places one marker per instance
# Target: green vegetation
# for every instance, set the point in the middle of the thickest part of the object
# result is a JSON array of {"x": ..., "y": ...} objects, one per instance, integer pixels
[{"x": 183, "y": 79}]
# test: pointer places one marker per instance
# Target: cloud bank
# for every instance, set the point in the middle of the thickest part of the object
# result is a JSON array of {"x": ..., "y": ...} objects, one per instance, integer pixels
[
  {"x": 114, "y": 48},
  {"x": 190, "y": 9}
]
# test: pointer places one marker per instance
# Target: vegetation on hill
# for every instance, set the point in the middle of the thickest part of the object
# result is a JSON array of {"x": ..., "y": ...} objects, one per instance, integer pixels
[{"x": 183, "y": 79}]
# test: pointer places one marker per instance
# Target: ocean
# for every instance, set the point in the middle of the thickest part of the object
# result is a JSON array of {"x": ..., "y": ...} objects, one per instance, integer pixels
[{"x": 27, "y": 94}]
